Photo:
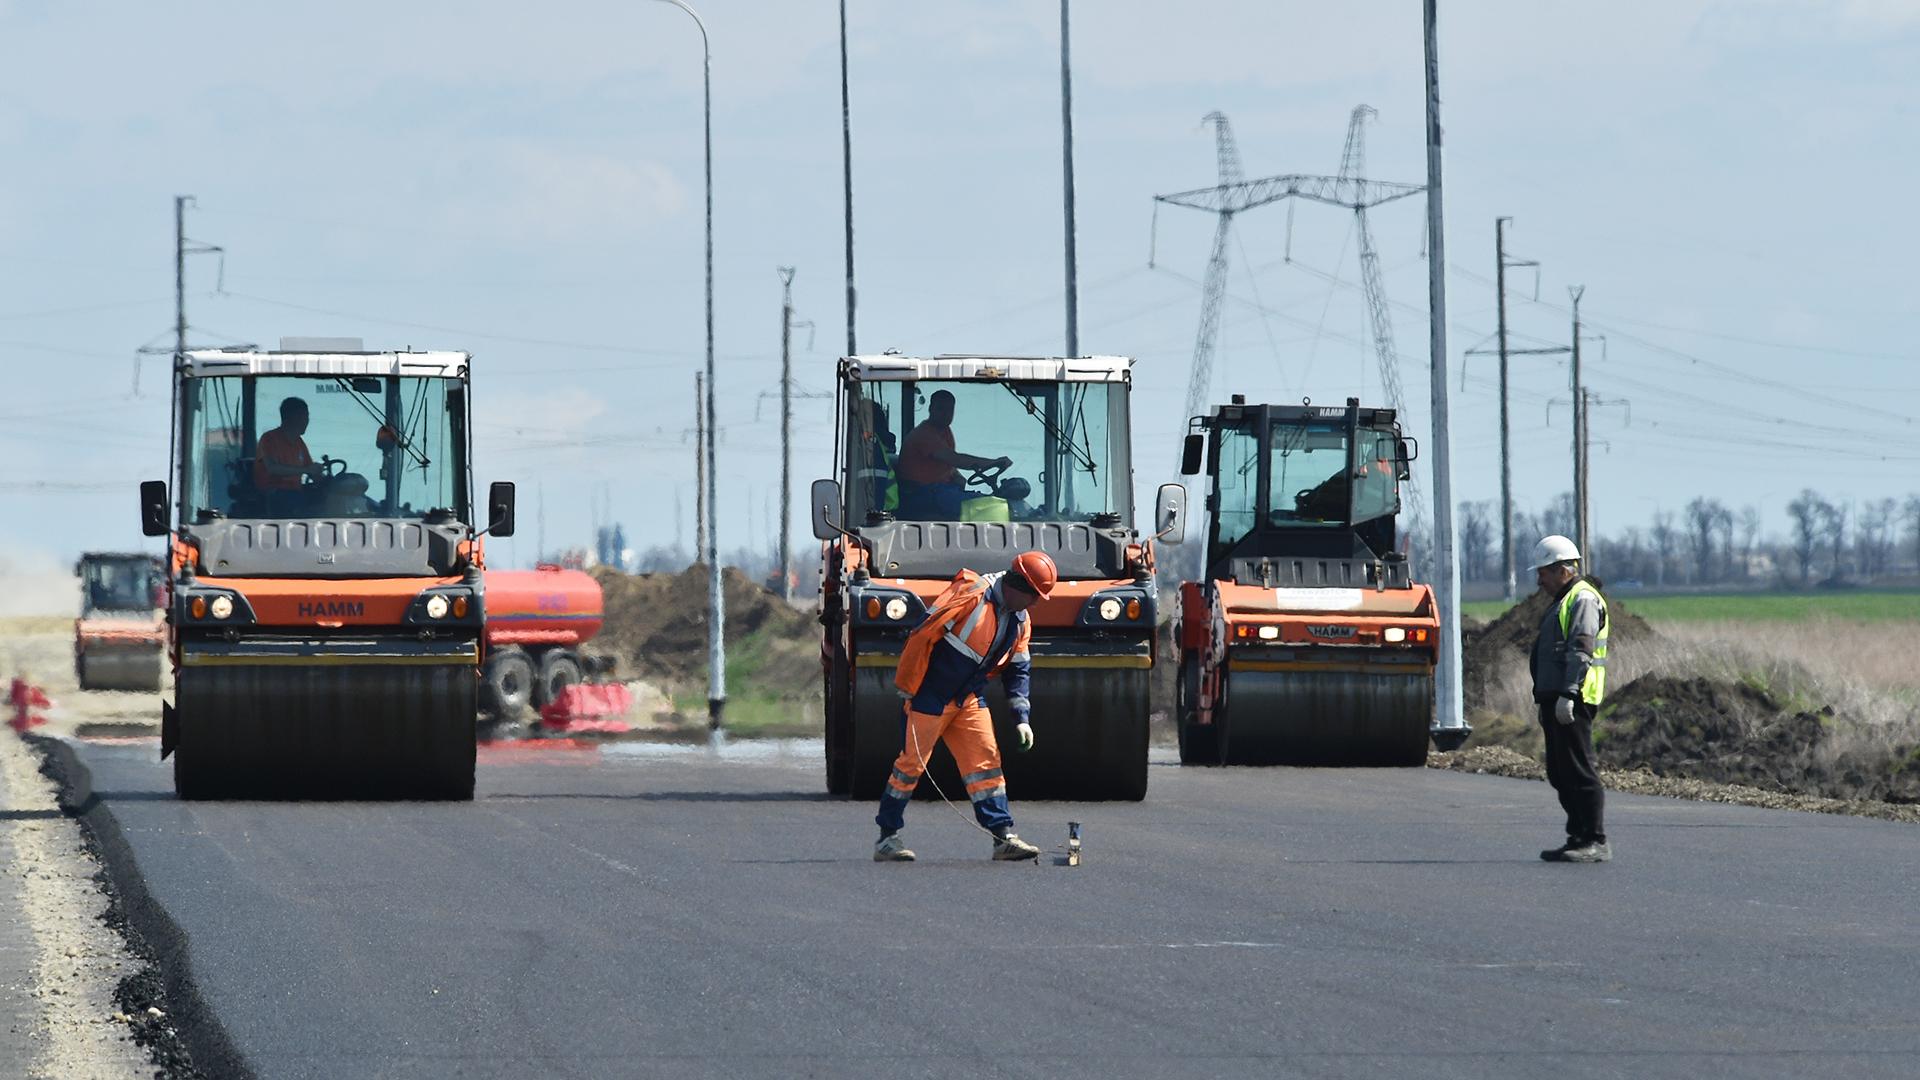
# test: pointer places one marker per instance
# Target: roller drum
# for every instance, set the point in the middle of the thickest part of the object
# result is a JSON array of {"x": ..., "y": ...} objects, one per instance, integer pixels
[
  {"x": 1090, "y": 736},
  {"x": 322, "y": 731},
  {"x": 1325, "y": 718},
  {"x": 103, "y": 666}
]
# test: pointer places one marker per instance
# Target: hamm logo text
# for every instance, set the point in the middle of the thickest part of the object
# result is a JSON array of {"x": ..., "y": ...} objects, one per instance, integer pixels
[{"x": 315, "y": 609}]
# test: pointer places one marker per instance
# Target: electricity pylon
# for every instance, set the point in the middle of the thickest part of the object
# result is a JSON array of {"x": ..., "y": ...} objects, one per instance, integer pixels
[{"x": 1233, "y": 195}]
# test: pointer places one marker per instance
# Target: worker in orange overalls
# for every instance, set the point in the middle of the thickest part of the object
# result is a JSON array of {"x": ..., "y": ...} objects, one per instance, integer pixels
[{"x": 978, "y": 628}]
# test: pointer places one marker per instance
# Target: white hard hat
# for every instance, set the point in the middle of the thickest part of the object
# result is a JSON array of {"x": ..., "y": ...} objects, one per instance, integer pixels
[{"x": 1554, "y": 549}]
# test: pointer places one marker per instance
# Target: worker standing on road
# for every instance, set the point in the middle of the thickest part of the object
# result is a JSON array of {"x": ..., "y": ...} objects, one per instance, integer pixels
[
  {"x": 1569, "y": 681},
  {"x": 978, "y": 628}
]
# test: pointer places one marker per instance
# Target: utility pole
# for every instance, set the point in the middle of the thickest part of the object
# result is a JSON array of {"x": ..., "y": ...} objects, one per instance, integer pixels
[
  {"x": 1579, "y": 434},
  {"x": 1449, "y": 719},
  {"x": 700, "y": 467},
  {"x": 846, "y": 173},
  {"x": 180, "y": 277},
  {"x": 785, "y": 561},
  {"x": 1506, "y": 450},
  {"x": 1501, "y": 265},
  {"x": 1586, "y": 458},
  {"x": 1066, "y": 150}
]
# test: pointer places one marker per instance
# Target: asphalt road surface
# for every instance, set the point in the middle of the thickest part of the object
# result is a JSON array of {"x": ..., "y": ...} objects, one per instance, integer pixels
[{"x": 652, "y": 911}]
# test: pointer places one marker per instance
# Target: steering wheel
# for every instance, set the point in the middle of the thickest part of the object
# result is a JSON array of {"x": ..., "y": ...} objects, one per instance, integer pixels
[
  {"x": 988, "y": 476},
  {"x": 331, "y": 468}
]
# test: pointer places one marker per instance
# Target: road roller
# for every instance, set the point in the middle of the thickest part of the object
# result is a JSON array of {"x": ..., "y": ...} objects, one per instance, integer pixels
[
  {"x": 326, "y": 599},
  {"x": 119, "y": 640},
  {"x": 1306, "y": 642},
  {"x": 1054, "y": 434}
]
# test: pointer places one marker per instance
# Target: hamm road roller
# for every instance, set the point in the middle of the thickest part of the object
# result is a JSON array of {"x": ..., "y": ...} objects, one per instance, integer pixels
[
  {"x": 119, "y": 640},
  {"x": 326, "y": 594},
  {"x": 962, "y": 462},
  {"x": 1308, "y": 642}
]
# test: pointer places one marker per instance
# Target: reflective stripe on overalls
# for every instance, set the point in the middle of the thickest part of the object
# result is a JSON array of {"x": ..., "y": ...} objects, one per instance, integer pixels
[
  {"x": 1594, "y": 687},
  {"x": 889, "y": 492}
]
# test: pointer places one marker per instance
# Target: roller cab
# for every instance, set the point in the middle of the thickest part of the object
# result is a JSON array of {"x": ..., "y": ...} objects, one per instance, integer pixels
[
  {"x": 896, "y": 530},
  {"x": 119, "y": 639},
  {"x": 1306, "y": 641},
  {"x": 326, "y": 601}
]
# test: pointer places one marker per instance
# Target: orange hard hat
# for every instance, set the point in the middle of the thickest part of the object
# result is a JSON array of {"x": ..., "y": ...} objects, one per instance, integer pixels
[{"x": 1036, "y": 571}]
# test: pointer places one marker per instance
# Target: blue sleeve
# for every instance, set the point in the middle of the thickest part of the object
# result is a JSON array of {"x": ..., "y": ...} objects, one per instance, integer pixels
[{"x": 1015, "y": 677}]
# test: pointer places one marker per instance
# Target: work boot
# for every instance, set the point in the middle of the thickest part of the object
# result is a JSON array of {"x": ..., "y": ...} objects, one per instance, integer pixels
[
  {"x": 1559, "y": 854},
  {"x": 890, "y": 848},
  {"x": 1592, "y": 851},
  {"x": 1008, "y": 847},
  {"x": 1580, "y": 851}
]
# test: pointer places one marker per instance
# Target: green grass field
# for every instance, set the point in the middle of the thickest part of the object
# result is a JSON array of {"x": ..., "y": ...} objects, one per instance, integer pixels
[{"x": 1861, "y": 606}]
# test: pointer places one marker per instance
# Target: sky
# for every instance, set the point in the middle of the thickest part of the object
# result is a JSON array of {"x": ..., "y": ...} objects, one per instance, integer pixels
[{"x": 1729, "y": 180}]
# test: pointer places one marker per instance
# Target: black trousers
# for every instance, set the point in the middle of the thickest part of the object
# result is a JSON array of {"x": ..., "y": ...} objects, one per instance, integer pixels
[{"x": 1573, "y": 772}]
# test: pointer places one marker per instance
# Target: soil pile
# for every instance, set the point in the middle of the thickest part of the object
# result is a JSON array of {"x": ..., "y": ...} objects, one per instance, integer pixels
[
  {"x": 1734, "y": 733},
  {"x": 1487, "y": 649},
  {"x": 656, "y": 626}
]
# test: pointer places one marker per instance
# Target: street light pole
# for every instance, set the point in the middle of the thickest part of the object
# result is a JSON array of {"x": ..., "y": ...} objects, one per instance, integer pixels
[{"x": 716, "y": 598}]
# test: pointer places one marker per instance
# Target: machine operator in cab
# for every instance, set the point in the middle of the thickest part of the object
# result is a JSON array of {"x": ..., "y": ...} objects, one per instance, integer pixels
[
  {"x": 281, "y": 461},
  {"x": 930, "y": 482},
  {"x": 978, "y": 628}
]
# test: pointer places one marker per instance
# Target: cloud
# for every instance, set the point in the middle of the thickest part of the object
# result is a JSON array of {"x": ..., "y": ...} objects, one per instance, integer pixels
[{"x": 531, "y": 193}]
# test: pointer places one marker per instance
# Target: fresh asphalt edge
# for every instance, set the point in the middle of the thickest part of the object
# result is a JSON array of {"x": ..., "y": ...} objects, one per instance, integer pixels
[{"x": 188, "y": 1041}]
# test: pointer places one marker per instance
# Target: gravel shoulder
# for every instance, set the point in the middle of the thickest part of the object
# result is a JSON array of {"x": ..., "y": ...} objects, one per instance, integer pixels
[
  {"x": 1503, "y": 761},
  {"x": 60, "y": 962}
]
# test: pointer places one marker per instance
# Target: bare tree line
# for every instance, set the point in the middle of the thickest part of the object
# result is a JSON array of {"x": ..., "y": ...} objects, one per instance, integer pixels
[{"x": 1709, "y": 543}]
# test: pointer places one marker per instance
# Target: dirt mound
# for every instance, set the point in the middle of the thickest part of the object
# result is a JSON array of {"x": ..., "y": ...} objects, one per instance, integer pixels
[
  {"x": 1488, "y": 648},
  {"x": 656, "y": 626},
  {"x": 1734, "y": 733}
]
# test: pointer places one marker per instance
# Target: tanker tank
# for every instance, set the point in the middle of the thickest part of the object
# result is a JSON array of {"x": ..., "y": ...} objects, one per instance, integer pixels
[{"x": 536, "y": 622}]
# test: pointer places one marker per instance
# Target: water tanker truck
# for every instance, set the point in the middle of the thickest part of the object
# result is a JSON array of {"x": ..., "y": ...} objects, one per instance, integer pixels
[
  {"x": 119, "y": 640},
  {"x": 326, "y": 599},
  {"x": 895, "y": 535},
  {"x": 1307, "y": 642},
  {"x": 536, "y": 622}
]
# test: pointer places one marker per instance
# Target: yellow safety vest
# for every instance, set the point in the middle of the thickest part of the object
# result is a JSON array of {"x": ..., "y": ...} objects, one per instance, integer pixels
[{"x": 1594, "y": 686}]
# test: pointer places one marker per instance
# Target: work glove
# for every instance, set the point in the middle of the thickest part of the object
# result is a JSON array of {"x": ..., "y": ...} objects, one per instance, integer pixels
[
  {"x": 1026, "y": 737},
  {"x": 1563, "y": 710}
]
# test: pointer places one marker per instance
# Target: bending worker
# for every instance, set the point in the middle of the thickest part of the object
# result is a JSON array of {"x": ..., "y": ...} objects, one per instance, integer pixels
[
  {"x": 977, "y": 628},
  {"x": 1569, "y": 681}
]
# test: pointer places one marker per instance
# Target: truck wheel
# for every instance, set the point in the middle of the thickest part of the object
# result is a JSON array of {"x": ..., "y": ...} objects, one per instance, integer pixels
[
  {"x": 558, "y": 670},
  {"x": 508, "y": 686}
]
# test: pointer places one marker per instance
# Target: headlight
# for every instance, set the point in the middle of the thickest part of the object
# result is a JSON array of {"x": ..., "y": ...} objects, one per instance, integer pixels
[
  {"x": 222, "y": 606},
  {"x": 897, "y": 608},
  {"x": 1269, "y": 633},
  {"x": 1110, "y": 609},
  {"x": 1393, "y": 635},
  {"x": 437, "y": 606}
]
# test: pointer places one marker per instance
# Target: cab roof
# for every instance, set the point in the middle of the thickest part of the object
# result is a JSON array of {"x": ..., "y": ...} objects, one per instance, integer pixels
[
  {"x": 892, "y": 367},
  {"x": 209, "y": 362}
]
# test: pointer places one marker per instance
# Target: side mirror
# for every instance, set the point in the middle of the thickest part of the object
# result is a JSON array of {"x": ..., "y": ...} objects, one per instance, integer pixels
[
  {"x": 825, "y": 499},
  {"x": 153, "y": 507},
  {"x": 500, "y": 508},
  {"x": 1409, "y": 450},
  {"x": 1170, "y": 513},
  {"x": 1191, "y": 453}
]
